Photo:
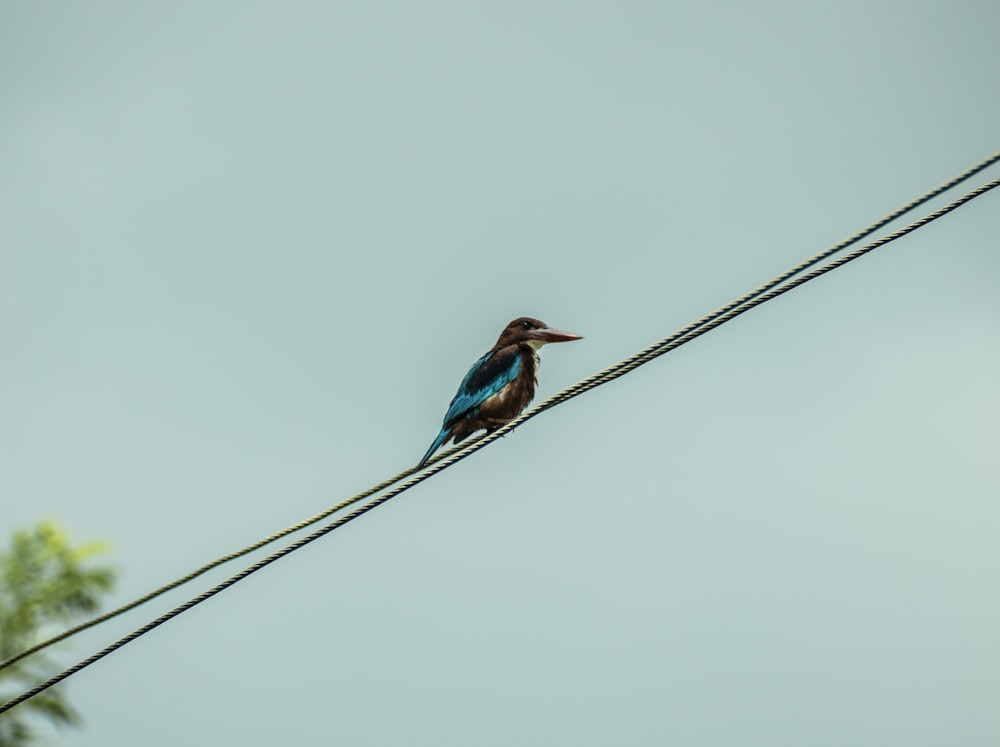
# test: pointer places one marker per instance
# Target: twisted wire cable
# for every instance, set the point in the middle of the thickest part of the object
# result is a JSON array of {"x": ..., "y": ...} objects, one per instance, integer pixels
[
  {"x": 206, "y": 568},
  {"x": 454, "y": 456},
  {"x": 986, "y": 163},
  {"x": 829, "y": 252},
  {"x": 405, "y": 473}
]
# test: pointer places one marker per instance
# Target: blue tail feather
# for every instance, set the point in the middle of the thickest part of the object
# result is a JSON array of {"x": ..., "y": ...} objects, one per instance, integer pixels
[{"x": 442, "y": 437}]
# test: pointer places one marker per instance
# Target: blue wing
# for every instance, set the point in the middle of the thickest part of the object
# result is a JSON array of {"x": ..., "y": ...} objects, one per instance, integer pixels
[{"x": 488, "y": 375}]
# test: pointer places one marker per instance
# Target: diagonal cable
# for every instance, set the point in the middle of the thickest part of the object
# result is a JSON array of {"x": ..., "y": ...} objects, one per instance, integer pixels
[
  {"x": 208, "y": 567},
  {"x": 406, "y": 473},
  {"x": 986, "y": 163},
  {"x": 829, "y": 252},
  {"x": 456, "y": 455}
]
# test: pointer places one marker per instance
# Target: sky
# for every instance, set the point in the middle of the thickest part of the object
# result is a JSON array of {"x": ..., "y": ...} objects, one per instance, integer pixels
[{"x": 250, "y": 249}]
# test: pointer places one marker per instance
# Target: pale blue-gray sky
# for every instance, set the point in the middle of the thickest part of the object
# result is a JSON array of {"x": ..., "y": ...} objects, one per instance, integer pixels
[{"x": 249, "y": 250}]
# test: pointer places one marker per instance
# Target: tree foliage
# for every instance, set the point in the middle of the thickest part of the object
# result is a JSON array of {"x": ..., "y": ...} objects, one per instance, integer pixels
[{"x": 44, "y": 582}]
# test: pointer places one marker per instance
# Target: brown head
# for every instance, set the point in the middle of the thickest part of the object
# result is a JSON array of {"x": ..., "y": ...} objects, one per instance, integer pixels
[{"x": 527, "y": 331}]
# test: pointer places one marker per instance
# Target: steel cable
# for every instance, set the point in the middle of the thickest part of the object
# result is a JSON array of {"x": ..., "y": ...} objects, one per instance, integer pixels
[
  {"x": 764, "y": 293},
  {"x": 405, "y": 473}
]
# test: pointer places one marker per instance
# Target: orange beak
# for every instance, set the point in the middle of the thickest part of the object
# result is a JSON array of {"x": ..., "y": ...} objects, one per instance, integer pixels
[{"x": 556, "y": 335}]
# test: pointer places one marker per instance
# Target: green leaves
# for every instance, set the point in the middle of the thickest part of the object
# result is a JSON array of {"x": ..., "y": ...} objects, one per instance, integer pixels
[{"x": 44, "y": 580}]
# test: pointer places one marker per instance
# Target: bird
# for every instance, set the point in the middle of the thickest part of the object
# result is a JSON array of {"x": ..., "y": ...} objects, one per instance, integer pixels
[{"x": 500, "y": 384}]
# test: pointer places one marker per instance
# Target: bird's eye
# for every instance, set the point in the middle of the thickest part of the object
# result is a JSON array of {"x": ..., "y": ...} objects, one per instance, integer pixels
[{"x": 525, "y": 325}]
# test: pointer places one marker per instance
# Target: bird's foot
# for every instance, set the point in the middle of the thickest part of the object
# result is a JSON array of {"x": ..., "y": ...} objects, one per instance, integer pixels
[{"x": 496, "y": 424}]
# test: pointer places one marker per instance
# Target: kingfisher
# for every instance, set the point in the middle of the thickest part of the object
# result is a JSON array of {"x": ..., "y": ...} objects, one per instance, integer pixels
[{"x": 500, "y": 384}]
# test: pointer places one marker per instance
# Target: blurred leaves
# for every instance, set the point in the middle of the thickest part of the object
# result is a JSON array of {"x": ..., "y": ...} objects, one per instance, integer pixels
[{"x": 44, "y": 580}]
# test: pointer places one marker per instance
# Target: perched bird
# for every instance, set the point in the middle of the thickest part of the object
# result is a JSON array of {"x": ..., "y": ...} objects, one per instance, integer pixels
[{"x": 500, "y": 384}]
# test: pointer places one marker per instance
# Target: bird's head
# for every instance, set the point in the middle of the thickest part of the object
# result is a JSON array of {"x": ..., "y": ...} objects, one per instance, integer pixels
[{"x": 533, "y": 332}]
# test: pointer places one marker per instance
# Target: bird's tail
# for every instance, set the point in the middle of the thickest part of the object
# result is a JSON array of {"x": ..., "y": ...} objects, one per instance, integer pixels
[{"x": 442, "y": 437}]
